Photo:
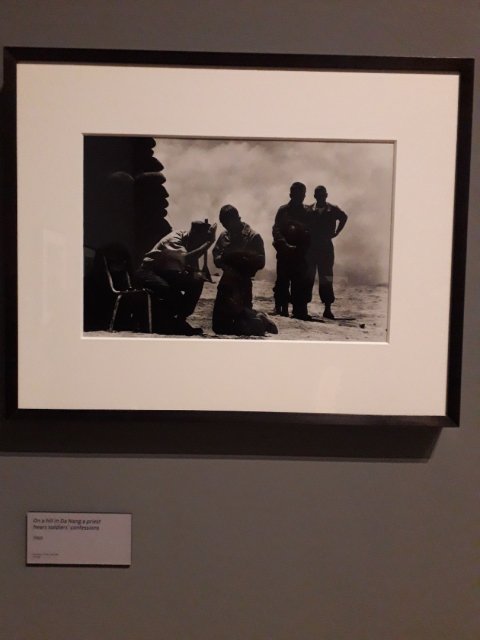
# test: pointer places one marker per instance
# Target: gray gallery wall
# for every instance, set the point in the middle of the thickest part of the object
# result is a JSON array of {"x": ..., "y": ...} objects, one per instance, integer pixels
[{"x": 260, "y": 549}]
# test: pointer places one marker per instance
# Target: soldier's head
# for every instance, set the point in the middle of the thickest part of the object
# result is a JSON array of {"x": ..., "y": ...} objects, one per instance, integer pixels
[
  {"x": 298, "y": 192},
  {"x": 198, "y": 234},
  {"x": 320, "y": 194},
  {"x": 230, "y": 218}
]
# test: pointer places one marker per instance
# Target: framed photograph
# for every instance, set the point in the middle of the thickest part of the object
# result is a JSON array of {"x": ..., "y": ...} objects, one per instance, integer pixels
[{"x": 213, "y": 237}]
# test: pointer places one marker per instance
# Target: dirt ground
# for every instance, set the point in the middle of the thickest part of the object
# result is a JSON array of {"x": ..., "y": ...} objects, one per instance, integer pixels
[{"x": 360, "y": 315}]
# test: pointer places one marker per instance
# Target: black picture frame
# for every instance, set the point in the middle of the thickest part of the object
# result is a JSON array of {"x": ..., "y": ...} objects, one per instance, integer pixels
[{"x": 127, "y": 432}]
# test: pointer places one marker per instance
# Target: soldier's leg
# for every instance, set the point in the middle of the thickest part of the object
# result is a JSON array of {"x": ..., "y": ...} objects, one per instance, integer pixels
[
  {"x": 192, "y": 287},
  {"x": 227, "y": 305},
  {"x": 281, "y": 290},
  {"x": 184, "y": 292},
  {"x": 301, "y": 291},
  {"x": 325, "y": 278},
  {"x": 310, "y": 274},
  {"x": 325, "y": 289},
  {"x": 152, "y": 282}
]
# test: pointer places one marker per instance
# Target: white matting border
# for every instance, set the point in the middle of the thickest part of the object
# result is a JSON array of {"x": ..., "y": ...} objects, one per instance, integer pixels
[{"x": 60, "y": 369}]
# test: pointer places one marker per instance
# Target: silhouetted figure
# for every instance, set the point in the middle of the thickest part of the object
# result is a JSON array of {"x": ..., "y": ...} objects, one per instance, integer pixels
[
  {"x": 240, "y": 253},
  {"x": 291, "y": 240},
  {"x": 170, "y": 270},
  {"x": 325, "y": 222}
]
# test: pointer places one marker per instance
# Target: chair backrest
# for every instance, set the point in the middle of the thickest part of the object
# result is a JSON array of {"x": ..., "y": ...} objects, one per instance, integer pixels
[{"x": 118, "y": 267}]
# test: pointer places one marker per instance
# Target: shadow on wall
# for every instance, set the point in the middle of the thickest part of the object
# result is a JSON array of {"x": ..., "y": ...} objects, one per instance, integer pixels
[{"x": 125, "y": 204}]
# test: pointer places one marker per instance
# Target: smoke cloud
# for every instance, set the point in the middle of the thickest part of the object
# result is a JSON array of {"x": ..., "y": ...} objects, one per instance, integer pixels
[{"x": 255, "y": 176}]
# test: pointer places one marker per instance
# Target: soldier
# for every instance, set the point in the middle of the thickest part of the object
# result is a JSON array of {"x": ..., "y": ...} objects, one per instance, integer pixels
[
  {"x": 240, "y": 253},
  {"x": 170, "y": 270},
  {"x": 291, "y": 240},
  {"x": 325, "y": 222}
]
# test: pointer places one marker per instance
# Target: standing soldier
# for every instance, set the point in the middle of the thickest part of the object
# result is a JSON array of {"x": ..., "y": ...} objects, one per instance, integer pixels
[
  {"x": 325, "y": 222},
  {"x": 291, "y": 240}
]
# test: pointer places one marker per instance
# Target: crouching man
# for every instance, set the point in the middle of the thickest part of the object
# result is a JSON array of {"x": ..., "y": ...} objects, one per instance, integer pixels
[
  {"x": 240, "y": 253},
  {"x": 170, "y": 271}
]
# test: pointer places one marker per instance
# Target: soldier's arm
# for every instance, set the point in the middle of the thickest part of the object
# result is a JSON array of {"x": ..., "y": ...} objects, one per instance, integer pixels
[
  {"x": 341, "y": 221},
  {"x": 218, "y": 250},
  {"x": 174, "y": 241},
  {"x": 277, "y": 235},
  {"x": 194, "y": 253},
  {"x": 258, "y": 252},
  {"x": 279, "y": 240}
]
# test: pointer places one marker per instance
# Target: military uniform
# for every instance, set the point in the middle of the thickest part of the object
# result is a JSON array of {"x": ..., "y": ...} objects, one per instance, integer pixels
[
  {"x": 291, "y": 239},
  {"x": 240, "y": 256},
  {"x": 322, "y": 224},
  {"x": 172, "y": 277}
]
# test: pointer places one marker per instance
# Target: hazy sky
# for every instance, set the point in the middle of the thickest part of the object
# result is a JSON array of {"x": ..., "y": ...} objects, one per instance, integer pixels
[{"x": 255, "y": 176}]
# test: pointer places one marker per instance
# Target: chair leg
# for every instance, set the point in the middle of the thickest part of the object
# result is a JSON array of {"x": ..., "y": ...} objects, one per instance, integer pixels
[{"x": 115, "y": 310}]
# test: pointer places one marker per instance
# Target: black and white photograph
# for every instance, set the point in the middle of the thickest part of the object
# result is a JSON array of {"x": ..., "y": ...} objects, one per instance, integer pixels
[{"x": 237, "y": 238}]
